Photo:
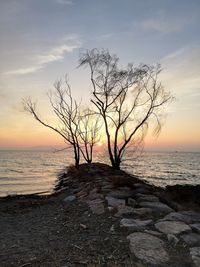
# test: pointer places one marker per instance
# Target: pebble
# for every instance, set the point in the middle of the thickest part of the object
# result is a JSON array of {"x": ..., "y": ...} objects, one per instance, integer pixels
[{"x": 69, "y": 198}]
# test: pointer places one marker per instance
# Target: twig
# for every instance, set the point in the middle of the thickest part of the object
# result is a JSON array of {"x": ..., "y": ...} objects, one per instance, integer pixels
[{"x": 77, "y": 247}]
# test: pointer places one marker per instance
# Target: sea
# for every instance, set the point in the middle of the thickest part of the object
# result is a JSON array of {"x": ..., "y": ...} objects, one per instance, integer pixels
[{"x": 28, "y": 172}]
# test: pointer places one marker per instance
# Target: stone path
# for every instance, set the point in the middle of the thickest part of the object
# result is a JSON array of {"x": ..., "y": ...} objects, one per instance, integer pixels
[{"x": 157, "y": 235}]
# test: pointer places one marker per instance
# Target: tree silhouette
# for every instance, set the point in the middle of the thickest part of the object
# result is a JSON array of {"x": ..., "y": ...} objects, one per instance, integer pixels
[
  {"x": 128, "y": 99},
  {"x": 88, "y": 128},
  {"x": 75, "y": 127}
]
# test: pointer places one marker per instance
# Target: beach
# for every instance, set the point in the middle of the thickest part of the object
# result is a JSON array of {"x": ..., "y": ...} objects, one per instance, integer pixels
[{"x": 80, "y": 225}]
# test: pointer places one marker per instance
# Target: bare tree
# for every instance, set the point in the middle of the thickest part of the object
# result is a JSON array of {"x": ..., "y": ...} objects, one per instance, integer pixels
[
  {"x": 88, "y": 127},
  {"x": 127, "y": 99},
  {"x": 66, "y": 110}
]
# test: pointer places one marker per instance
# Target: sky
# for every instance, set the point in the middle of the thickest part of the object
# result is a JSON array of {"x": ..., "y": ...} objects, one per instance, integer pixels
[{"x": 40, "y": 41}]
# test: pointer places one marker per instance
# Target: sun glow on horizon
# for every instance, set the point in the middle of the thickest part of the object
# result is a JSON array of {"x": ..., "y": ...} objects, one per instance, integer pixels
[{"x": 99, "y": 144}]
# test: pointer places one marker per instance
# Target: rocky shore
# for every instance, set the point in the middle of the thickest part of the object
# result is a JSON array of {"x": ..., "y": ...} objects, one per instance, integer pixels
[{"x": 101, "y": 217}]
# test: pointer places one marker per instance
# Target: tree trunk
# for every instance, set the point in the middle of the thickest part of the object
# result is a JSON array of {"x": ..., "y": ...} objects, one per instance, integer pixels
[
  {"x": 76, "y": 156},
  {"x": 116, "y": 163}
]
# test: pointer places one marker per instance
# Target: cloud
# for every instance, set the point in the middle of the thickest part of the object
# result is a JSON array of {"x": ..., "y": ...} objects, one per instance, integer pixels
[
  {"x": 55, "y": 54},
  {"x": 181, "y": 71},
  {"x": 65, "y": 2},
  {"x": 165, "y": 24},
  {"x": 23, "y": 71}
]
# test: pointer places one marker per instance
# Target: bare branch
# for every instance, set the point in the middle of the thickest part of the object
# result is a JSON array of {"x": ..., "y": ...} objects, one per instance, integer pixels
[{"x": 127, "y": 99}]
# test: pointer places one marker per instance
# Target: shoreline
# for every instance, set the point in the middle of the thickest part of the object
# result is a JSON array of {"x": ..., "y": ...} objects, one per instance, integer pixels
[
  {"x": 80, "y": 225},
  {"x": 186, "y": 195}
]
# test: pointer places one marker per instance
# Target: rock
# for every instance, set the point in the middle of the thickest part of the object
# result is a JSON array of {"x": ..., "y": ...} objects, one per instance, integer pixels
[
  {"x": 195, "y": 254},
  {"x": 143, "y": 190},
  {"x": 157, "y": 207},
  {"x": 97, "y": 206},
  {"x": 132, "y": 202},
  {"x": 138, "y": 195},
  {"x": 81, "y": 194},
  {"x": 140, "y": 185},
  {"x": 192, "y": 239},
  {"x": 111, "y": 209},
  {"x": 151, "y": 232},
  {"x": 134, "y": 225},
  {"x": 172, "y": 227},
  {"x": 137, "y": 185},
  {"x": 142, "y": 211},
  {"x": 83, "y": 226},
  {"x": 112, "y": 228},
  {"x": 69, "y": 199},
  {"x": 106, "y": 188},
  {"x": 122, "y": 210},
  {"x": 115, "y": 202},
  {"x": 124, "y": 188},
  {"x": 195, "y": 227},
  {"x": 148, "y": 248},
  {"x": 121, "y": 194},
  {"x": 189, "y": 217},
  {"x": 94, "y": 194},
  {"x": 148, "y": 198},
  {"x": 172, "y": 239}
]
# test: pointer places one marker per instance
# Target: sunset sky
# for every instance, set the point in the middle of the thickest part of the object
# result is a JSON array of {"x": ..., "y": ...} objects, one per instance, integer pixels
[{"x": 40, "y": 41}]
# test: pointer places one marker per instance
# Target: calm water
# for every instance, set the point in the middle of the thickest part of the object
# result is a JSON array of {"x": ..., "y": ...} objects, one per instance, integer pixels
[{"x": 23, "y": 172}]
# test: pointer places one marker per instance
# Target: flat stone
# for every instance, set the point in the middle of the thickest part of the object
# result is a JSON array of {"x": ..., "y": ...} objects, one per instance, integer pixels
[
  {"x": 122, "y": 210},
  {"x": 194, "y": 216},
  {"x": 94, "y": 194},
  {"x": 195, "y": 227},
  {"x": 134, "y": 225},
  {"x": 172, "y": 227},
  {"x": 121, "y": 194},
  {"x": 143, "y": 195},
  {"x": 132, "y": 202},
  {"x": 115, "y": 202},
  {"x": 195, "y": 254},
  {"x": 143, "y": 190},
  {"x": 97, "y": 206},
  {"x": 151, "y": 232},
  {"x": 140, "y": 185},
  {"x": 192, "y": 239},
  {"x": 149, "y": 249},
  {"x": 142, "y": 211},
  {"x": 189, "y": 217},
  {"x": 158, "y": 207},
  {"x": 106, "y": 187},
  {"x": 136, "y": 185},
  {"x": 148, "y": 198}
]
